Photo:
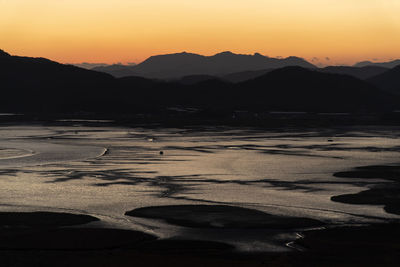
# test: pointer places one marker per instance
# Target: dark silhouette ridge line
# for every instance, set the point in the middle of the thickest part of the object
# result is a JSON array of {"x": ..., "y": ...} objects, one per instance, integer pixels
[
  {"x": 387, "y": 64},
  {"x": 175, "y": 66},
  {"x": 41, "y": 85}
]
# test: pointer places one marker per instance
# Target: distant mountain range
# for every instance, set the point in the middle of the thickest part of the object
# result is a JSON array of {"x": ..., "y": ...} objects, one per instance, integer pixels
[
  {"x": 390, "y": 64},
  {"x": 231, "y": 67},
  {"x": 91, "y": 66},
  {"x": 41, "y": 85},
  {"x": 174, "y": 66}
]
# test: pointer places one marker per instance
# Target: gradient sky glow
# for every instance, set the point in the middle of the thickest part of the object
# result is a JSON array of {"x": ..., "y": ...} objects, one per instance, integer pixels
[{"x": 110, "y": 31}]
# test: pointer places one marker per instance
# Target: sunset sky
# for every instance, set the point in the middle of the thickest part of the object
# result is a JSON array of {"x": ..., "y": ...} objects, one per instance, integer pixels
[{"x": 345, "y": 31}]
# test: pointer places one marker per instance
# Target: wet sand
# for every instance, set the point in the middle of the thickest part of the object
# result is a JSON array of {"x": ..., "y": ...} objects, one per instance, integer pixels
[{"x": 284, "y": 201}]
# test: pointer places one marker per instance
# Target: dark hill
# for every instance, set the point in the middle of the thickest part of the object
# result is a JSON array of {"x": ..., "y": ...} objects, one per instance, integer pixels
[
  {"x": 140, "y": 82},
  {"x": 40, "y": 84},
  {"x": 287, "y": 89},
  {"x": 388, "y": 81},
  {"x": 155, "y": 96},
  {"x": 299, "y": 89},
  {"x": 193, "y": 79},
  {"x": 362, "y": 73}
]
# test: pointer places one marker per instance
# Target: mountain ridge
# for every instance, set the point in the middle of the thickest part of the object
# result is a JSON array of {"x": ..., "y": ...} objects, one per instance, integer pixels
[
  {"x": 388, "y": 64},
  {"x": 41, "y": 85},
  {"x": 177, "y": 65}
]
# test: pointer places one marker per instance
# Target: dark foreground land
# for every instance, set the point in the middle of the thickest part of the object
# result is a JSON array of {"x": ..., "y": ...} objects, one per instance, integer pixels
[
  {"x": 53, "y": 239},
  {"x": 375, "y": 245}
]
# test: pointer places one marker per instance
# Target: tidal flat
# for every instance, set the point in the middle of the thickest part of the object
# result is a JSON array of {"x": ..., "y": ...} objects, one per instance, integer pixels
[{"x": 252, "y": 195}]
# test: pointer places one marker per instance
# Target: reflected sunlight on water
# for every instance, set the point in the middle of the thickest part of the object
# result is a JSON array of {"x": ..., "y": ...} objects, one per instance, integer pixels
[{"x": 281, "y": 173}]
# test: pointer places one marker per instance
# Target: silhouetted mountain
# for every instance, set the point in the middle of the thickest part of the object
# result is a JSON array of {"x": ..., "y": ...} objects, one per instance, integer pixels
[
  {"x": 299, "y": 89},
  {"x": 244, "y": 75},
  {"x": 287, "y": 89},
  {"x": 362, "y": 73},
  {"x": 41, "y": 84},
  {"x": 175, "y": 66},
  {"x": 388, "y": 81},
  {"x": 139, "y": 82},
  {"x": 389, "y": 64},
  {"x": 117, "y": 70}
]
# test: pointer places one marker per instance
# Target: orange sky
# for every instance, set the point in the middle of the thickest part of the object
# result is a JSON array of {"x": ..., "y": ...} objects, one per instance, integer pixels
[{"x": 112, "y": 31}]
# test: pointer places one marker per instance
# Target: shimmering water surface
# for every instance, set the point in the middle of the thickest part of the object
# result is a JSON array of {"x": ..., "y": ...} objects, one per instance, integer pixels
[{"x": 106, "y": 171}]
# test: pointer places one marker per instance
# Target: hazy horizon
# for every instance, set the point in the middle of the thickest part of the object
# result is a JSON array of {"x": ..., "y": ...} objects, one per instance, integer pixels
[
  {"x": 313, "y": 60},
  {"x": 316, "y": 61},
  {"x": 319, "y": 62}
]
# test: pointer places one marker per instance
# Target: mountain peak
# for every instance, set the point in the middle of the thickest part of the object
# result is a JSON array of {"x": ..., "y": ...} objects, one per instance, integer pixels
[
  {"x": 229, "y": 53},
  {"x": 293, "y": 57},
  {"x": 225, "y": 53},
  {"x": 175, "y": 55},
  {"x": 184, "y": 53}
]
